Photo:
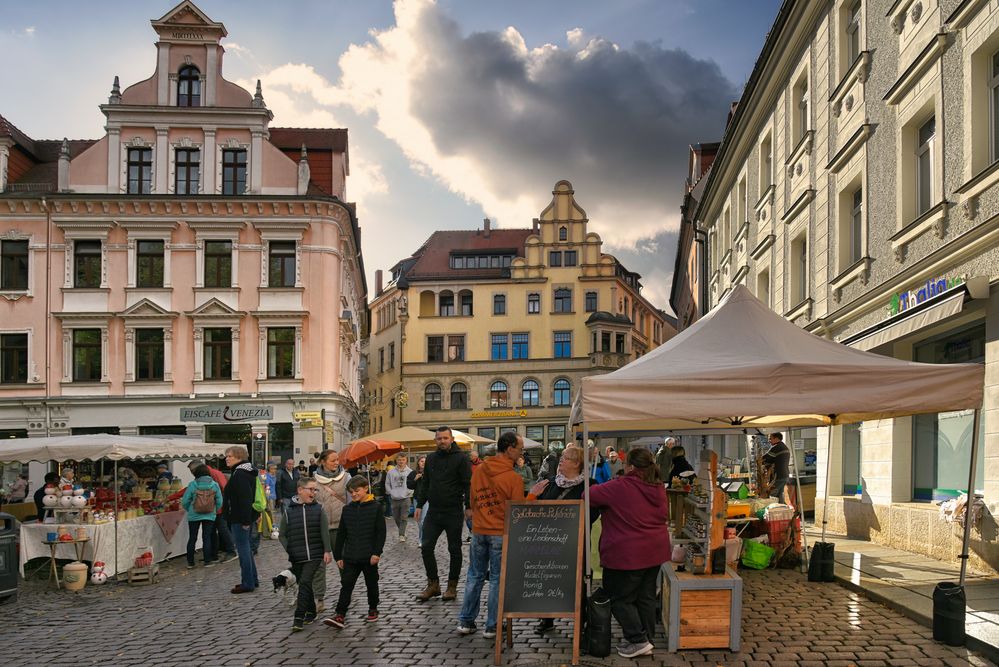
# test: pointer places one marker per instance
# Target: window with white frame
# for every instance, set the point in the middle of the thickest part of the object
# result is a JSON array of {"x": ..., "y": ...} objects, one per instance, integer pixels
[
  {"x": 799, "y": 269},
  {"x": 281, "y": 257},
  {"x": 856, "y": 225},
  {"x": 14, "y": 265},
  {"x": 218, "y": 353},
  {"x": 852, "y": 34},
  {"x": 87, "y": 355},
  {"x": 149, "y": 263},
  {"x": 280, "y": 352},
  {"x": 800, "y": 111},
  {"x": 139, "y": 171},
  {"x": 994, "y": 107},
  {"x": 87, "y": 263},
  {"x": 218, "y": 263},
  {"x": 766, "y": 163},
  {"x": 924, "y": 165},
  {"x": 149, "y": 358}
]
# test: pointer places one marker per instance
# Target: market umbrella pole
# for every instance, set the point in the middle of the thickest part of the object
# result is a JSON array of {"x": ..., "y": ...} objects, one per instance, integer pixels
[
  {"x": 116, "y": 522},
  {"x": 972, "y": 473},
  {"x": 825, "y": 499},
  {"x": 587, "y": 571}
]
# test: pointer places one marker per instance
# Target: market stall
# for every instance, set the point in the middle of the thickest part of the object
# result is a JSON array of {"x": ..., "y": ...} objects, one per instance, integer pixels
[{"x": 744, "y": 367}]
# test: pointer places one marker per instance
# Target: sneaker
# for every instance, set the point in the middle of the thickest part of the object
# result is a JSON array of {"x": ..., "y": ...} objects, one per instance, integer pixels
[
  {"x": 309, "y": 618},
  {"x": 229, "y": 557},
  {"x": 297, "y": 625},
  {"x": 466, "y": 628},
  {"x": 402, "y": 538},
  {"x": 372, "y": 616},
  {"x": 634, "y": 650},
  {"x": 468, "y": 538},
  {"x": 190, "y": 566},
  {"x": 211, "y": 563},
  {"x": 334, "y": 622},
  {"x": 320, "y": 606},
  {"x": 489, "y": 633}
]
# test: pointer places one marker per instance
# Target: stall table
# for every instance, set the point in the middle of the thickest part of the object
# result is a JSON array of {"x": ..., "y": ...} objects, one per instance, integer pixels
[
  {"x": 77, "y": 544},
  {"x": 701, "y": 610}
]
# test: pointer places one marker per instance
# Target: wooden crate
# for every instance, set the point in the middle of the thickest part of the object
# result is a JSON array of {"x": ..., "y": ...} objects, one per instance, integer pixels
[
  {"x": 143, "y": 576},
  {"x": 702, "y": 611}
]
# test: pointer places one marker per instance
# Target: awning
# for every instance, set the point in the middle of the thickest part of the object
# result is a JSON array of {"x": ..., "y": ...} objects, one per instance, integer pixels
[{"x": 947, "y": 307}]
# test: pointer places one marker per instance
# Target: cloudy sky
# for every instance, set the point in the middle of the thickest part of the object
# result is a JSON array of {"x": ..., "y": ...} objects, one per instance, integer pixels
[{"x": 457, "y": 109}]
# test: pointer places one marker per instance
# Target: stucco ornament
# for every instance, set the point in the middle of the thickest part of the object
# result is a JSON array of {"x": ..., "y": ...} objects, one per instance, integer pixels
[
  {"x": 848, "y": 102},
  {"x": 898, "y": 24},
  {"x": 916, "y": 12}
]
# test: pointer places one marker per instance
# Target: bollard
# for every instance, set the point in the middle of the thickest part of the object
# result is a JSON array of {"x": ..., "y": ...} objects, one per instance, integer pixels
[
  {"x": 948, "y": 613},
  {"x": 821, "y": 566}
]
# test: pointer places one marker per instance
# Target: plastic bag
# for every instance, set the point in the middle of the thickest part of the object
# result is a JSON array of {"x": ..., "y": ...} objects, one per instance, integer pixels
[{"x": 755, "y": 555}]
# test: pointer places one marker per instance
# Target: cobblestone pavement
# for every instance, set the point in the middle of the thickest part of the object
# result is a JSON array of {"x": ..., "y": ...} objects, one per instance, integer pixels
[{"x": 190, "y": 618}]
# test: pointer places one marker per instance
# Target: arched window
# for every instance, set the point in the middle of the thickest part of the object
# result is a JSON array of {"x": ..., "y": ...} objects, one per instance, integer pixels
[
  {"x": 531, "y": 394},
  {"x": 498, "y": 394},
  {"x": 432, "y": 397},
  {"x": 563, "y": 392},
  {"x": 563, "y": 234},
  {"x": 189, "y": 87},
  {"x": 563, "y": 300},
  {"x": 459, "y": 396},
  {"x": 446, "y": 304}
]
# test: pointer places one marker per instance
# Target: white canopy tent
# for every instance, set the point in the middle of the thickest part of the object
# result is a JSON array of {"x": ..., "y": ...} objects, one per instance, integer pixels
[{"x": 743, "y": 366}]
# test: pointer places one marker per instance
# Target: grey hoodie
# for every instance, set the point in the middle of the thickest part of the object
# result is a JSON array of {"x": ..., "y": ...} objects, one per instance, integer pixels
[{"x": 395, "y": 483}]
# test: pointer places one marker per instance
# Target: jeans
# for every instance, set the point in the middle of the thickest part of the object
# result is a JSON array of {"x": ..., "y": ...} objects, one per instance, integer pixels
[
  {"x": 207, "y": 528},
  {"x": 304, "y": 572},
  {"x": 319, "y": 580},
  {"x": 633, "y": 601},
  {"x": 778, "y": 489},
  {"x": 223, "y": 540},
  {"x": 435, "y": 524},
  {"x": 247, "y": 568},
  {"x": 423, "y": 517},
  {"x": 484, "y": 556},
  {"x": 254, "y": 538},
  {"x": 351, "y": 571},
  {"x": 400, "y": 513}
]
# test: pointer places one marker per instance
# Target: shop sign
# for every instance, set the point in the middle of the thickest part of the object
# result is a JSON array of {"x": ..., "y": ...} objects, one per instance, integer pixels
[
  {"x": 329, "y": 432},
  {"x": 308, "y": 419},
  {"x": 903, "y": 301},
  {"x": 486, "y": 414},
  {"x": 225, "y": 414}
]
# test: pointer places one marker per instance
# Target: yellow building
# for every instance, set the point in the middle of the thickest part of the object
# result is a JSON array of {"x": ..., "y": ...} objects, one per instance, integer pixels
[{"x": 493, "y": 329}]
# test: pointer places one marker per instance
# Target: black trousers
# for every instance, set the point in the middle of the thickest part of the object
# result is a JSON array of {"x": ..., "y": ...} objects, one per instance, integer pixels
[
  {"x": 633, "y": 601},
  {"x": 304, "y": 572},
  {"x": 348, "y": 578},
  {"x": 433, "y": 526}
]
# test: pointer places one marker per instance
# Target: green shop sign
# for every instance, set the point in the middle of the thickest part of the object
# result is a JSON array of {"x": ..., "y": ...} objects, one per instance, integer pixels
[{"x": 903, "y": 301}]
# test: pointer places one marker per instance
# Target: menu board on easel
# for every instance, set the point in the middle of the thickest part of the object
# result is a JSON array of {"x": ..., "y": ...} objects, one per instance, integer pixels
[{"x": 540, "y": 574}]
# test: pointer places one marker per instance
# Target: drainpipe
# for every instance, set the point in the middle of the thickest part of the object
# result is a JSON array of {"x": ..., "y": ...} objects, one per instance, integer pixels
[{"x": 48, "y": 307}]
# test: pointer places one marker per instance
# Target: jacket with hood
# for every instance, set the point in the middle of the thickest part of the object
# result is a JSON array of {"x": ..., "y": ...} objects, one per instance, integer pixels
[
  {"x": 448, "y": 474},
  {"x": 362, "y": 532},
  {"x": 419, "y": 486},
  {"x": 303, "y": 532},
  {"x": 203, "y": 483},
  {"x": 493, "y": 483},
  {"x": 238, "y": 495},
  {"x": 633, "y": 518},
  {"x": 395, "y": 483},
  {"x": 680, "y": 464},
  {"x": 331, "y": 493}
]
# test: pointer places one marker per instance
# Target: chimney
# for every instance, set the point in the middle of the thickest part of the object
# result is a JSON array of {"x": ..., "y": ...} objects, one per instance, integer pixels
[
  {"x": 486, "y": 227},
  {"x": 304, "y": 172},
  {"x": 63, "y": 169},
  {"x": 378, "y": 282},
  {"x": 535, "y": 225}
]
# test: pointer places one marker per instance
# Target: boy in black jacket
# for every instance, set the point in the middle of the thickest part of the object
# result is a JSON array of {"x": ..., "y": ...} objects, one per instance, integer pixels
[{"x": 358, "y": 548}]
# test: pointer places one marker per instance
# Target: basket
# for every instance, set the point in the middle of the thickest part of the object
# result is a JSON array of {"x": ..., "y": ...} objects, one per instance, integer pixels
[{"x": 143, "y": 561}]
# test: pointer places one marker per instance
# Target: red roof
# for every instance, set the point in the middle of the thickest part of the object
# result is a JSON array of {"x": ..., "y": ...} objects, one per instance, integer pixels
[
  {"x": 433, "y": 259},
  {"x": 314, "y": 138}
]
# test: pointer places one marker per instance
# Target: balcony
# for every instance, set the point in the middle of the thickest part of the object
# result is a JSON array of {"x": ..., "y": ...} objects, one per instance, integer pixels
[{"x": 609, "y": 360}]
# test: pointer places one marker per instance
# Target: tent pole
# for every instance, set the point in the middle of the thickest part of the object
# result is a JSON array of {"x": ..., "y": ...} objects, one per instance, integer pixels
[
  {"x": 972, "y": 474},
  {"x": 825, "y": 499},
  {"x": 798, "y": 509},
  {"x": 587, "y": 571},
  {"x": 115, "y": 521}
]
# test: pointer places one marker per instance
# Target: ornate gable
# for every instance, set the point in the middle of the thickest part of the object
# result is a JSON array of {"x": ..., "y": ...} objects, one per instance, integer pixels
[
  {"x": 213, "y": 308},
  {"x": 146, "y": 309},
  {"x": 186, "y": 23}
]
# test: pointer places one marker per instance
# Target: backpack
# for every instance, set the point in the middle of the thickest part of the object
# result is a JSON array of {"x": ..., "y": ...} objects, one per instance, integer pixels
[
  {"x": 259, "y": 498},
  {"x": 204, "y": 501}
]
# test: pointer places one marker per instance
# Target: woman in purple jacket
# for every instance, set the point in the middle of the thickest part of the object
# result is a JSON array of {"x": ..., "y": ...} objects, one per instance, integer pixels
[{"x": 634, "y": 543}]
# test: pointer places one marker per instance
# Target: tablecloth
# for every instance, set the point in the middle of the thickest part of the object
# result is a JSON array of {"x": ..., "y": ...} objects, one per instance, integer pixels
[{"x": 143, "y": 531}]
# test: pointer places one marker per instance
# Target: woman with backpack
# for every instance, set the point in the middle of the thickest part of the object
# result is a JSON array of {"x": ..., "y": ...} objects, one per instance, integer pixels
[{"x": 202, "y": 499}]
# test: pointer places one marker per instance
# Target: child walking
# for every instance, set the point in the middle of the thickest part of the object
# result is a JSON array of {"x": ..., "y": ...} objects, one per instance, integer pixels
[
  {"x": 304, "y": 535},
  {"x": 358, "y": 548}
]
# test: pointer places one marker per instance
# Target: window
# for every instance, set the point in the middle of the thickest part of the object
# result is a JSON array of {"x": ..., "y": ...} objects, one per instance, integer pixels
[
  {"x": 392, "y": 407},
  {"x": 800, "y": 111},
  {"x": 233, "y": 171},
  {"x": 994, "y": 107},
  {"x": 466, "y": 304},
  {"x": 531, "y": 394},
  {"x": 766, "y": 164},
  {"x": 86, "y": 355},
  {"x": 570, "y": 258},
  {"x": 189, "y": 87},
  {"x": 13, "y": 358},
  {"x": 435, "y": 349},
  {"x": 281, "y": 264},
  {"x": 852, "y": 484},
  {"x": 486, "y": 432},
  {"x": 619, "y": 343},
  {"x": 455, "y": 348},
  {"x": 763, "y": 287},
  {"x": 432, "y": 397},
  {"x": 459, "y": 396},
  {"x": 149, "y": 264},
  {"x": 498, "y": 347},
  {"x": 446, "y": 305},
  {"x": 87, "y": 263},
  {"x": 605, "y": 342},
  {"x": 563, "y": 234},
  {"x": 740, "y": 206},
  {"x": 499, "y": 304},
  {"x": 852, "y": 35},
  {"x": 591, "y": 302},
  {"x": 520, "y": 346},
  {"x": 218, "y": 354},
  {"x": 14, "y": 265},
  {"x": 799, "y": 269},
  {"x": 381, "y": 360},
  {"x": 498, "y": 394},
  {"x": 218, "y": 264},
  {"x": 533, "y": 304},
  {"x": 924, "y": 166},
  {"x": 563, "y": 300},
  {"x": 149, "y": 354},
  {"x": 281, "y": 352},
  {"x": 140, "y": 171},
  {"x": 555, "y": 258},
  {"x": 391, "y": 360},
  {"x": 563, "y": 344},
  {"x": 187, "y": 171},
  {"x": 856, "y": 226},
  {"x": 562, "y": 392}
]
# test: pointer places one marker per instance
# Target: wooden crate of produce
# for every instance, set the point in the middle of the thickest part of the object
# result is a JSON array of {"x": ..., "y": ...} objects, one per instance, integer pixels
[{"x": 701, "y": 611}]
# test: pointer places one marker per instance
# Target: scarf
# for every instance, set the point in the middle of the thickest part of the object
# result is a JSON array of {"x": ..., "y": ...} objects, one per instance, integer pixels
[{"x": 563, "y": 482}]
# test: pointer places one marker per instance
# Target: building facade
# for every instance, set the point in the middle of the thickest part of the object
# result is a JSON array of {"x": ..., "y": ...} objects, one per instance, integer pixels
[
  {"x": 194, "y": 271},
  {"x": 857, "y": 193},
  {"x": 493, "y": 329},
  {"x": 688, "y": 293}
]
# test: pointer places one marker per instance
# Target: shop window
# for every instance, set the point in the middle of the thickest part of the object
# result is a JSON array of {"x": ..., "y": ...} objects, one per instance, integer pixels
[
  {"x": 520, "y": 345},
  {"x": 852, "y": 480},
  {"x": 562, "y": 344},
  {"x": 149, "y": 354},
  {"x": 556, "y": 434},
  {"x": 459, "y": 396},
  {"x": 95, "y": 430},
  {"x": 498, "y": 395},
  {"x": 562, "y": 392},
  {"x": 218, "y": 264},
  {"x": 86, "y": 355},
  {"x": 189, "y": 87},
  {"x": 533, "y": 304},
  {"x": 487, "y": 432},
  {"x": 169, "y": 429},
  {"x": 14, "y": 265},
  {"x": 535, "y": 433},
  {"x": 435, "y": 349},
  {"x": 432, "y": 397},
  {"x": 149, "y": 263},
  {"x": 281, "y": 264},
  {"x": 499, "y": 304},
  {"x": 13, "y": 358},
  {"x": 591, "y": 302},
  {"x": 140, "y": 171},
  {"x": 233, "y": 171},
  {"x": 218, "y": 353},
  {"x": 87, "y": 264},
  {"x": 498, "y": 347},
  {"x": 187, "y": 171},
  {"x": 530, "y": 394},
  {"x": 280, "y": 352}
]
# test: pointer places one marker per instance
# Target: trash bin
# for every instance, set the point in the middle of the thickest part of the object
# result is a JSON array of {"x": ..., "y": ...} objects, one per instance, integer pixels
[
  {"x": 949, "y": 602},
  {"x": 8, "y": 556}
]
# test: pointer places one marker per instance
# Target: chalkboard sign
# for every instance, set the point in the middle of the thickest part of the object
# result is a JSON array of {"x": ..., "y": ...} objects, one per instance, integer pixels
[{"x": 541, "y": 571}]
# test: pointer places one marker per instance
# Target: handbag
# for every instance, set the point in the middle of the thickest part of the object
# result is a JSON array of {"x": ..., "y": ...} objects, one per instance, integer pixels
[{"x": 597, "y": 630}]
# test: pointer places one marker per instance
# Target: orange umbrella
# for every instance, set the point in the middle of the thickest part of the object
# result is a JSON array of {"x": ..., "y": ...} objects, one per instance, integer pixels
[{"x": 367, "y": 450}]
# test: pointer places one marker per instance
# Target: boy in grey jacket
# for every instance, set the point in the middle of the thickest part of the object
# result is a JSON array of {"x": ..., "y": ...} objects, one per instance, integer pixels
[
  {"x": 304, "y": 535},
  {"x": 400, "y": 493}
]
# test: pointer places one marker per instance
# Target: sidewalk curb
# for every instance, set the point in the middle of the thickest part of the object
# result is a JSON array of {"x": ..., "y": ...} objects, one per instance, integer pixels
[{"x": 972, "y": 643}]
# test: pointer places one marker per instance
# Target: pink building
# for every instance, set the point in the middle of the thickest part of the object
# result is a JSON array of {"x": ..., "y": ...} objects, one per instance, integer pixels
[{"x": 192, "y": 271}]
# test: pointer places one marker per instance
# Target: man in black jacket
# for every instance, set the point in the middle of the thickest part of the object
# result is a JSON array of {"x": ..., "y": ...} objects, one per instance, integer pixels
[
  {"x": 778, "y": 457},
  {"x": 287, "y": 483},
  {"x": 448, "y": 473},
  {"x": 237, "y": 510}
]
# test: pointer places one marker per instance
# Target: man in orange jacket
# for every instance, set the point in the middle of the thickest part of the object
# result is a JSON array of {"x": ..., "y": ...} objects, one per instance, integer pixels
[{"x": 493, "y": 483}]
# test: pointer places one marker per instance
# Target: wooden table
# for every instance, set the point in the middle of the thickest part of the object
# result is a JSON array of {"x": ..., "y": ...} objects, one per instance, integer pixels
[
  {"x": 742, "y": 524},
  {"x": 701, "y": 610},
  {"x": 52, "y": 544}
]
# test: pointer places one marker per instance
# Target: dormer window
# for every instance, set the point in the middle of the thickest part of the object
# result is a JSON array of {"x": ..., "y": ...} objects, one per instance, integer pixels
[{"x": 189, "y": 87}]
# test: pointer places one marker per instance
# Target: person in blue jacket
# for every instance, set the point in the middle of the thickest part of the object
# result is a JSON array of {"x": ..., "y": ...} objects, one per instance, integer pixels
[
  {"x": 201, "y": 500},
  {"x": 601, "y": 469}
]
